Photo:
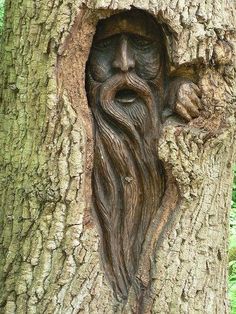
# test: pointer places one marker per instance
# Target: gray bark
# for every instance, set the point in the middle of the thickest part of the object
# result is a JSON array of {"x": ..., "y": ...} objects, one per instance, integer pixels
[{"x": 49, "y": 257}]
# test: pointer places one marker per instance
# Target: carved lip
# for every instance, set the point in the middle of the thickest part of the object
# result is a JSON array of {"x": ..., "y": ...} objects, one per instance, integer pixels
[{"x": 126, "y": 96}]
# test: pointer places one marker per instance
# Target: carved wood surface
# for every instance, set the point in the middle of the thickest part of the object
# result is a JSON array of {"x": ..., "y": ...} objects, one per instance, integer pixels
[
  {"x": 131, "y": 93},
  {"x": 128, "y": 179}
]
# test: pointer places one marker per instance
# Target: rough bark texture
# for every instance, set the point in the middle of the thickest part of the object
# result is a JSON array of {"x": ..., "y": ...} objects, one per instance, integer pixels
[{"x": 49, "y": 259}]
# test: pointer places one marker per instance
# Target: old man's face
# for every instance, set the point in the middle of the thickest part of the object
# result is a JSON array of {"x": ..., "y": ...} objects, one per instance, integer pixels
[
  {"x": 124, "y": 83},
  {"x": 126, "y": 44}
]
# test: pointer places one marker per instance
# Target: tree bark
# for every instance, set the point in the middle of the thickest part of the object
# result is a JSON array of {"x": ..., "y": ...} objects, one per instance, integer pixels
[{"x": 49, "y": 247}]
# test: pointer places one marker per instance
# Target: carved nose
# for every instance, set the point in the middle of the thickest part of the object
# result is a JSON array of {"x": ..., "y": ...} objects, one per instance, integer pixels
[{"x": 124, "y": 58}]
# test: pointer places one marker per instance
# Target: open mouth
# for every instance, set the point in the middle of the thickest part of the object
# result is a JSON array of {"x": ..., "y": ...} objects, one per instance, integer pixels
[{"x": 125, "y": 96}]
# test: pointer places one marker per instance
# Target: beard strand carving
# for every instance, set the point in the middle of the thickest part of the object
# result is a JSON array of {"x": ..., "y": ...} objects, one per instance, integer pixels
[{"x": 128, "y": 178}]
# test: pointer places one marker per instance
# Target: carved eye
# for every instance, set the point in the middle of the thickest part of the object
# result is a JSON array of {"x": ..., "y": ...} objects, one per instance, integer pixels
[
  {"x": 141, "y": 42},
  {"x": 104, "y": 43}
]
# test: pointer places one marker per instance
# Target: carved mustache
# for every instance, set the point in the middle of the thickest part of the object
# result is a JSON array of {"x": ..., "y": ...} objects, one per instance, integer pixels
[
  {"x": 125, "y": 80},
  {"x": 105, "y": 95}
]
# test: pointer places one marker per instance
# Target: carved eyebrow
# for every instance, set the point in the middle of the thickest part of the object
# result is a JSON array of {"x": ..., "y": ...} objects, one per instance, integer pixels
[
  {"x": 96, "y": 41},
  {"x": 139, "y": 36},
  {"x": 103, "y": 36}
]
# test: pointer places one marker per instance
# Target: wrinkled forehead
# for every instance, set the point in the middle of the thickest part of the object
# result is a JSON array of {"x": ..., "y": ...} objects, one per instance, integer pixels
[{"x": 126, "y": 22}]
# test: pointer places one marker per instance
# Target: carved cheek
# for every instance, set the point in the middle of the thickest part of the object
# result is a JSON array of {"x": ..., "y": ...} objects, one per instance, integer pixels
[
  {"x": 148, "y": 64},
  {"x": 100, "y": 66}
]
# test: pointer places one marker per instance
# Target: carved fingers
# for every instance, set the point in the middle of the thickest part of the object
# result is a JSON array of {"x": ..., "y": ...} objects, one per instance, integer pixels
[
  {"x": 188, "y": 102},
  {"x": 184, "y": 98}
]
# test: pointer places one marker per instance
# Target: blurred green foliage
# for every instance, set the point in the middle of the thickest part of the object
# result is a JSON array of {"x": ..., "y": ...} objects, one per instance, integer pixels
[
  {"x": 1, "y": 13},
  {"x": 232, "y": 249}
]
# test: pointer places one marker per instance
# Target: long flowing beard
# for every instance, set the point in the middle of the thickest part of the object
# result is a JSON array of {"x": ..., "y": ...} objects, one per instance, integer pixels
[{"x": 128, "y": 181}]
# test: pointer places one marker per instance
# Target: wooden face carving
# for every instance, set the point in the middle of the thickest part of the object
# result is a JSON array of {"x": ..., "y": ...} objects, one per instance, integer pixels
[
  {"x": 124, "y": 48},
  {"x": 125, "y": 82}
]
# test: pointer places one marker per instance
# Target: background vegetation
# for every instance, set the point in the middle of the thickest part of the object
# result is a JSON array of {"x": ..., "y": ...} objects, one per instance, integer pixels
[
  {"x": 232, "y": 244},
  {"x": 232, "y": 249},
  {"x": 1, "y": 13}
]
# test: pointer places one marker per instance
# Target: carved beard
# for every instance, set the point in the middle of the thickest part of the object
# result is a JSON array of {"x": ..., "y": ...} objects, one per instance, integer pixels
[{"x": 128, "y": 181}]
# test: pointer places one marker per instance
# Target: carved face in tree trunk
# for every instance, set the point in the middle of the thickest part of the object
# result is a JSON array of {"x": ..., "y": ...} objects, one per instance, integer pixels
[{"x": 125, "y": 83}]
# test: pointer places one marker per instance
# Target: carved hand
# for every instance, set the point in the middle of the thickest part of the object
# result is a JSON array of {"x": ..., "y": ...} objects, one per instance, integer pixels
[{"x": 183, "y": 97}]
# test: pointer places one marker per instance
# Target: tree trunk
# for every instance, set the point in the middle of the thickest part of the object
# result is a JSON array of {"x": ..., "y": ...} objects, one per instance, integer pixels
[{"x": 49, "y": 260}]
